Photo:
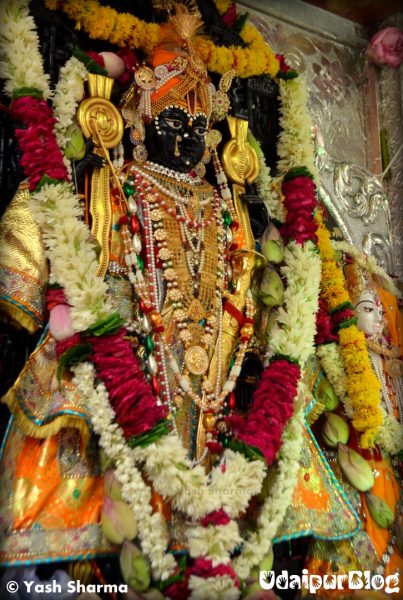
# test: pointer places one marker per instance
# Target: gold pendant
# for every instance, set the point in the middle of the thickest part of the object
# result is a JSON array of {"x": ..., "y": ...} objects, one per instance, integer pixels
[
  {"x": 196, "y": 360},
  {"x": 196, "y": 310}
]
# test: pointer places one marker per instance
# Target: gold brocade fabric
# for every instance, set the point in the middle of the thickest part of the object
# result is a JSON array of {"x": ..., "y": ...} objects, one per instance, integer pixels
[
  {"x": 23, "y": 269},
  {"x": 52, "y": 492},
  {"x": 51, "y": 498},
  {"x": 39, "y": 407}
]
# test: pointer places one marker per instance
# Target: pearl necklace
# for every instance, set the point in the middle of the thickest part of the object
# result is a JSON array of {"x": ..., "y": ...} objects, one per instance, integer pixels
[
  {"x": 175, "y": 175},
  {"x": 148, "y": 185}
]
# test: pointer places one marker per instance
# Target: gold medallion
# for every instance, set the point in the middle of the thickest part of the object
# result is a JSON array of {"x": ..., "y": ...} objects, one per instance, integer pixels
[{"x": 196, "y": 360}]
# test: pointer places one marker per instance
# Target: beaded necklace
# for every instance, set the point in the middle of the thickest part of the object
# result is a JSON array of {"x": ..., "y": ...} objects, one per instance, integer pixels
[{"x": 211, "y": 395}]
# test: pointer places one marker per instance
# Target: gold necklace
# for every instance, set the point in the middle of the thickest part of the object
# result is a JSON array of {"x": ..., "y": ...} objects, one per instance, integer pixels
[{"x": 381, "y": 347}]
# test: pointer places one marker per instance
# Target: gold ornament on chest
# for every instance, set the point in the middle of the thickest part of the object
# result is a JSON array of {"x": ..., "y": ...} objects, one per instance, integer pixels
[{"x": 196, "y": 360}]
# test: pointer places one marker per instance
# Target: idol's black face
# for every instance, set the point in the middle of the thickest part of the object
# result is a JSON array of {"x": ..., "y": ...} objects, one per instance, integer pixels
[{"x": 176, "y": 139}]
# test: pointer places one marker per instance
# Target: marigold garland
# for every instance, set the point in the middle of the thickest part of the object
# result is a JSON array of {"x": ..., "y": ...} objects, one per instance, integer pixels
[
  {"x": 333, "y": 289},
  {"x": 363, "y": 387},
  {"x": 124, "y": 29}
]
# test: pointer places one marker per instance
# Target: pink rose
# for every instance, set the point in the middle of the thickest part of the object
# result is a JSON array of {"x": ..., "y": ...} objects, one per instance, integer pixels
[
  {"x": 60, "y": 325},
  {"x": 386, "y": 47}
]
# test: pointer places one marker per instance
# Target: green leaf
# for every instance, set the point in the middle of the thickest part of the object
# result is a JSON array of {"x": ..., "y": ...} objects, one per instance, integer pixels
[
  {"x": 27, "y": 91},
  {"x": 289, "y": 75},
  {"x": 72, "y": 356},
  {"x": 105, "y": 326},
  {"x": 284, "y": 357},
  {"x": 297, "y": 172},
  {"x": 240, "y": 22},
  {"x": 342, "y": 306},
  {"x": 151, "y": 436},
  {"x": 249, "y": 452},
  {"x": 348, "y": 323},
  {"x": 181, "y": 562},
  {"x": 88, "y": 62},
  {"x": 45, "y": 179}
]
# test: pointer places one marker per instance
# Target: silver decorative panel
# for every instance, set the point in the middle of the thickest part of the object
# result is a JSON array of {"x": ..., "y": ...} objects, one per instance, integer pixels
[{"x": 329, "y": 52}]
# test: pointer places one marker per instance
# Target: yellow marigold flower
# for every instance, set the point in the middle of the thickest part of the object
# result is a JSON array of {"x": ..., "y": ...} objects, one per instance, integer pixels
[
  {"x": 223, "y": 5},
  {"x": 121, "y": 31},
  {"x": 368, "y": 437},
  {"x": 363, "y": 387}
]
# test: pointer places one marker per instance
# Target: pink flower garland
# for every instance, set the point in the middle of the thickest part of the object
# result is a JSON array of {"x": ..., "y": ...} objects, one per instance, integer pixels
[
  {"x": 273, "y": 406},
  {"x": 217, "y": 517},
  {"x": 203, "y": 568},
  {"x": 324, "y": 326},
  {"x": 130, "y": 395},
  {"x": 300, "y": 202},
  {"x": 41, "y": 154}
]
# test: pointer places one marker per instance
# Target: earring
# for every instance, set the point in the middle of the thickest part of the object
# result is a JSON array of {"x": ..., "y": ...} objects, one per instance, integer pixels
[
  {"x": 140, "y": 153},
  {"x": 206, "y": 155},
  {"x": 137, "y": 139},
  {"x": 200, "y": 169},
  {"x": 176, "y": 151}
]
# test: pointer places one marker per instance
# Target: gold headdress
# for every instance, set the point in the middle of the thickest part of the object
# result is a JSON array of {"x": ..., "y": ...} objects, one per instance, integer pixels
[{"x": 176, "y": 74}]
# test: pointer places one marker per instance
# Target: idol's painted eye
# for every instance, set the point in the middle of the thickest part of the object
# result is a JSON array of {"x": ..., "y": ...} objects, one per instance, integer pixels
[
  {"x": 174, "y": 124},
  {"x": 368, "y": 309},
  {"x": 200, "y": 130}
]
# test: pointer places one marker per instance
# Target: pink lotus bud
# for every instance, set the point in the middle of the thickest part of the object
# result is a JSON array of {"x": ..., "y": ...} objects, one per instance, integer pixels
[
  {"x": 114, "y": 65},
  {"x": 118, "y": 521},
  {"x": 60, "y": 324},
  {"x": 113, "y": 488}
]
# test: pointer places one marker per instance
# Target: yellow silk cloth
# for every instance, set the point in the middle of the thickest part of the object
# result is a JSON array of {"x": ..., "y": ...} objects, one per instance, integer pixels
[{"x": 23, "y": 268}]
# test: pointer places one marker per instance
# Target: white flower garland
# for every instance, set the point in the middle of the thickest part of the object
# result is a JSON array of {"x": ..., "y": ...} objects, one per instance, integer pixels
[
  {"x": 21, "y": 64},
  {"x": 151, "y": 527},
  {"x": 293, "y": 334},
  {"x": 275, "y": 506},
  {"x": 69, "y": 91},
  {"x": 232, "y": 483},
  {"x": 73, "y": 260},
  {"x": 213, "y": 588},
  {"x": 268, "y": 187},
  {"x": 295, "y": 144},
  {"x": 331, "y": 362},
  {"x": 390, "y": 436},
  {"x": 214, "y": 542}
]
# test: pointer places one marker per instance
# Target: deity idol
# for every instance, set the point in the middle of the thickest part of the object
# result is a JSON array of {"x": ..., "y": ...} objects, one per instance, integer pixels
[{"x": 155, "y": 375}]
